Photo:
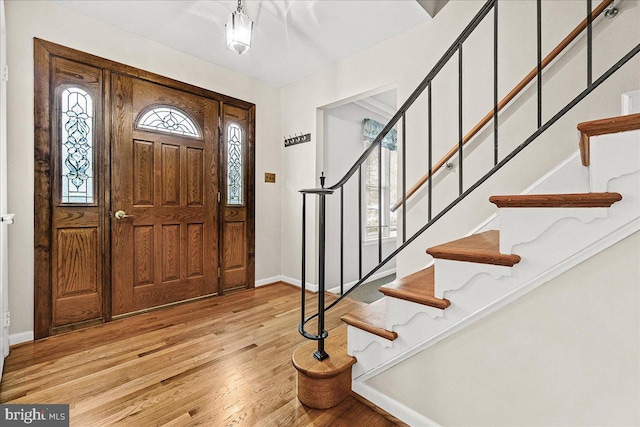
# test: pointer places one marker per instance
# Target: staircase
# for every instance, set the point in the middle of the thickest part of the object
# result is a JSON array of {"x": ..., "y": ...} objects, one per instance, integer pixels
[
  {"x": 533, "y": 238},
  {"x": 584, "y": 205}
]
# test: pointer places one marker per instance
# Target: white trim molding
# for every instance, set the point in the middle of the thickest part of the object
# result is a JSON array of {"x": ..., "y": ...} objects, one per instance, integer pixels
[
  {"x": 290, "y": 280},
  {"x": 268, "y": 281},
  {"x": 397, "y": 409},
  {"x": 20, "y": 337},
  {"x": 631, "y": 102}
]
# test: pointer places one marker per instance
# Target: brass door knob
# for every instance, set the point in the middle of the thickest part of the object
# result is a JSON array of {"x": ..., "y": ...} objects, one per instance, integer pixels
[{"x": 122, "y": 215}]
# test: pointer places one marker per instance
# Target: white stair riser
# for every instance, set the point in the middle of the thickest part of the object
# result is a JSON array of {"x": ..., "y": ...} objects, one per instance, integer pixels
[
  {"x": 400, "y": 311},
  {"x": 522, "y": 225},
  {"x": 451, "y": 275},
  {"x": 613, "y": 156},
  {"x": 570, "y": 176}
]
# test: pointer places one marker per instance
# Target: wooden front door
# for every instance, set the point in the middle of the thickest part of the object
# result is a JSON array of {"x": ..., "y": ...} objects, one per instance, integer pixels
[
  {"x": 163, "y": 196},
  {"x": 131, "y": 190}
]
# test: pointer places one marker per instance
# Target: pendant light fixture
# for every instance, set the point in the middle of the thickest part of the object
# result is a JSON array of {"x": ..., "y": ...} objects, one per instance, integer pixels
[{"x": 239, "y": 30}]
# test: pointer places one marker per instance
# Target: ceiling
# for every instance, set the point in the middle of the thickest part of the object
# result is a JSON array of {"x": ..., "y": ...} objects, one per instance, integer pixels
[{"x": 292, "y": 38}]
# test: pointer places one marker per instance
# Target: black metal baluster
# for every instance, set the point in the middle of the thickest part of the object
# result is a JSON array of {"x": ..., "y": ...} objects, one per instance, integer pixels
[
  {"x": 495, "y": 84},
  {"x": 430, "y": 152},
  {"x": 539, "y": 44},
  {"x": 342, "y": 240},
  {"x": 460, "y": 184},
  {"x": 404, "y": 179},
  {"x": 589, "y": 44},
  {"x": 360, "y": 213},
  {"x": 304, "y": 254},
  {"x": 380, "y": 202}
]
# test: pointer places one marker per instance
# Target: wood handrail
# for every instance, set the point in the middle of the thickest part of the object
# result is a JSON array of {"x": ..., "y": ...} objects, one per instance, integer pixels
[{"x": 515, "y": 91}]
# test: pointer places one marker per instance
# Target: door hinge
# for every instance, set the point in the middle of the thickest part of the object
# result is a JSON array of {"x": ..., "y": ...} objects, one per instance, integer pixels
[
  {"x": 5, "y": 73},
  {"x": 218, "y": 197},
  {"x": 219, "y": 123},
  {"x": 218, "y": 272}
]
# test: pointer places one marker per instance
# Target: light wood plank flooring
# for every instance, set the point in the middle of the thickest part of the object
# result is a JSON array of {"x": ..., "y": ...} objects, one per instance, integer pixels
[{"x": 223, "y": 361}]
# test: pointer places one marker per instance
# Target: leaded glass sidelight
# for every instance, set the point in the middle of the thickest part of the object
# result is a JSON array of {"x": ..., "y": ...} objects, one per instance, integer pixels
[
  {"x": 234, "y": 165},
  {"x": 77, "y": 146},
  {"x": 168, "y": 119}
]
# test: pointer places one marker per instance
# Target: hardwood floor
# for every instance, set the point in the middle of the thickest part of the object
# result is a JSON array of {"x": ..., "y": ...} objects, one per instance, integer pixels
[{"x": 223, "y": 361}]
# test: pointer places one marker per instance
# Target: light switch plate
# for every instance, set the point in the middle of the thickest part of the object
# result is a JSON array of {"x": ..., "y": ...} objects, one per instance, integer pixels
[{"x": 269, "y": 177}]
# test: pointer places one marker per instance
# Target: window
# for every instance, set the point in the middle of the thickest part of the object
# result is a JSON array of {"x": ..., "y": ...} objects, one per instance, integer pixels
[
  {"x": 234, "y": 165},
  {"x": 388, "y": 188},
  {"x": 168, "y": 119},
  {"x": 77, "y": 146}
]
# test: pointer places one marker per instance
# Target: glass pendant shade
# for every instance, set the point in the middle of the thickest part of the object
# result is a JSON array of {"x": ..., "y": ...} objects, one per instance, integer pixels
[{"x": 239, "y": 30}]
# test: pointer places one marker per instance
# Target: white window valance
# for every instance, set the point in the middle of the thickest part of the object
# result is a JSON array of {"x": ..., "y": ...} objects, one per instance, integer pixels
[{"x": 372, "y": 128}]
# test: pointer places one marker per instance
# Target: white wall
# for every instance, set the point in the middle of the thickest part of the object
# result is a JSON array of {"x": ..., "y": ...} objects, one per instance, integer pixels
[
  {"x": 566, "y": 354},
  {"x": 46, "y": 20},
  {"x": 343, "y": 144},
  {"x": 404, "y": 61},
  {"x": 4, "y": 258}
]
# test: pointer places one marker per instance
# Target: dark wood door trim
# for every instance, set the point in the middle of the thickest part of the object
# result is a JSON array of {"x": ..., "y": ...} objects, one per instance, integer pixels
[
  {"x": 251, "y": 201},
  {"x": 42, "y": 194},
  {"x": 44, "y": 53}
]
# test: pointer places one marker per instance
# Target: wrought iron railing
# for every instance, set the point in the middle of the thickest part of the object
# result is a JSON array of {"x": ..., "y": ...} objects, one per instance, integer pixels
[{"x": 456, "y": 49}]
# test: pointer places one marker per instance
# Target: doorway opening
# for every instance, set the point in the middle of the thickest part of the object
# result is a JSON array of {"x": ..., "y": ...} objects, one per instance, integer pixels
[{"x": 346, "y": 130}]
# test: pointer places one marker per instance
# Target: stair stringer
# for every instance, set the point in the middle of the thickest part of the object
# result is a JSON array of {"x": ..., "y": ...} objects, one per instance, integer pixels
[
  {"x": 372, "y": 350},
  {"x": 483, "y": 294},
  {"x": 468, "y": 309}
]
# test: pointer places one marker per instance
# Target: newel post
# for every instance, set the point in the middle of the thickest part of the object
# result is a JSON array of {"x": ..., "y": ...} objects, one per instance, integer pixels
[
  {"x": 321, "y": 383},
  {"x": 321, "y": 354}
]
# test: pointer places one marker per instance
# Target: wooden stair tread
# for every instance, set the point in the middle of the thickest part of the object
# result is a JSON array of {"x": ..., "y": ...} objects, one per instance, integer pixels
[
  {"x": 335, "y": 345},
  {"x": 602, "y": 127},
  {"x": 575, "y": 200},
  {"x": 482, "y": 248},
  {"x": 371, "y": 318},
  {"x": 417, "y": 287}
]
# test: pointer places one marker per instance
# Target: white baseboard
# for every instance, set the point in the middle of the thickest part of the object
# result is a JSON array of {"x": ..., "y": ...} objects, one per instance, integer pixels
[
  {"x": 290, "y": 280},
  {"x": 20, "y": 337},
  {"x": 395, "y": 408},
  {"x": 310, "y": 286},
  {"x": 376, "y": 276},
  {"x": 268, "y": 281}
]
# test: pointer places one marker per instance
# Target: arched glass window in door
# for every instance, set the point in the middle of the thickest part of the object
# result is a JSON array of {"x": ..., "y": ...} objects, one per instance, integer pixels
[
  {"x": 163, "y": 118},
  {"x": 77, "y": 146},
  {"x": 234, "y": 165}
]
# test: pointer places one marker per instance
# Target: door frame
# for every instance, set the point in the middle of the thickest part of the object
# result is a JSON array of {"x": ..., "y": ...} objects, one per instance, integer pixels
[{"x": 44, "y": 52}]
